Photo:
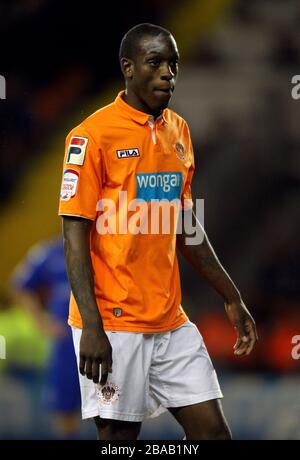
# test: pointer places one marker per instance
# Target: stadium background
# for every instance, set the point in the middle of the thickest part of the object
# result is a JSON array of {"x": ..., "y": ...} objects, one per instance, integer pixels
[{"x": 60, "y": 61}]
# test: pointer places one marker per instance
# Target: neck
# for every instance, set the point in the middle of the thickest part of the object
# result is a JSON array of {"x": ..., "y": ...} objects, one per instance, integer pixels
[{"x": 131, "y": 99}]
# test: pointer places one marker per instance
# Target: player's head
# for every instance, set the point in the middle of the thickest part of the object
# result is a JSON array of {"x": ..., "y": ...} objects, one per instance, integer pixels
[{"x": 149, "y": 62}]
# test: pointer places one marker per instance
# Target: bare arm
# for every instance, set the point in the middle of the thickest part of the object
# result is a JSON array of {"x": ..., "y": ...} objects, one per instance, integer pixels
[
  {"x": 203, "y": 258},
  {"x": 95, "y": 348},
  {"x": 31, "y": 302}
]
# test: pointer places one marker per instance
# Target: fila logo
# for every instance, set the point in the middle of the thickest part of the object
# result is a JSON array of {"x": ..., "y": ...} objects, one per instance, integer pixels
[
  {"x": 76, "y": 150},
  {"x": 128, "y": 153}
]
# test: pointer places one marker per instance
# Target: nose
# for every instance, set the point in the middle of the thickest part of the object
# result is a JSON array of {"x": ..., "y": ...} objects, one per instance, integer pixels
[{"x": 167, "y": 73}]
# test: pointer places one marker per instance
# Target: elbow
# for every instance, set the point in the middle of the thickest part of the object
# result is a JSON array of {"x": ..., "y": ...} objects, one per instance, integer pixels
[{"x": 76, "y": 235}]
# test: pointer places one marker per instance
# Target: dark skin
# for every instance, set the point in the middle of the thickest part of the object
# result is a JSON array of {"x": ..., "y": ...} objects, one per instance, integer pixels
[
  {"x": 95, "y": 348},
  {"x": 150, "y": 80},
  {"x": 203, "y": 258},
  {"x": 151, "y": 76}
]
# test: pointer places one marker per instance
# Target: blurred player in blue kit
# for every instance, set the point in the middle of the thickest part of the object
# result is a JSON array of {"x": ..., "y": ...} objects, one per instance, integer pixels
[{"x": 40, "y": 282}]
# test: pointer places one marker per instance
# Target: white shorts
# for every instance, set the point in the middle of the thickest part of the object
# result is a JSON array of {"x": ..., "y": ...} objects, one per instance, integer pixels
[{"x": 150, "y": 373}]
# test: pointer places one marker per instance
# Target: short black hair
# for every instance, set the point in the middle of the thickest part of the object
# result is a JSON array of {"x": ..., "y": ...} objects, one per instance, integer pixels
[{"x": 131, "y": 40}]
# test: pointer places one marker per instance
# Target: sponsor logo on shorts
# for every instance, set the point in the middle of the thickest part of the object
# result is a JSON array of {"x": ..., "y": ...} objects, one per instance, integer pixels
[
  {"x": 69, "y": 184},
  {"x": 128, "y": 153},
  {"x": 159, "y": 186},
  {"x": 76, "y": 150},
  {"x": 108, "y": 393}
]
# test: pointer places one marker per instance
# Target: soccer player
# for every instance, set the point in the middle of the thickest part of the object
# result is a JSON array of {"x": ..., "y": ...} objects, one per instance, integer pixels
[
  {"x": 125, "y": 307},
  {"x": 40, "y": 282}
]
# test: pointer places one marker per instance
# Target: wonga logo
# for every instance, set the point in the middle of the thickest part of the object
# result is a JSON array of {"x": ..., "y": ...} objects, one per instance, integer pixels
[{"x": 159, "y": 186}]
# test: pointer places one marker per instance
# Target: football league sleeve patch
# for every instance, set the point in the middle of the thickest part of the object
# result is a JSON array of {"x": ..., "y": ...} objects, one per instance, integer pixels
[
  {"x": 69, "y": 184},
  {"x": 77, "y": 150}
]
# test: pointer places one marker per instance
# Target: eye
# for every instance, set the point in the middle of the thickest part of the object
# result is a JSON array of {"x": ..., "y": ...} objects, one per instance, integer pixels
[{"x": 154, "y": 62}]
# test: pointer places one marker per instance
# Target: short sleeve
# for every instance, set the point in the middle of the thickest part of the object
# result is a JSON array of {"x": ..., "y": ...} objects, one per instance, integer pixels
[
  {"x": 82, "y": 175},
  {"x": 186, "y": 196}
]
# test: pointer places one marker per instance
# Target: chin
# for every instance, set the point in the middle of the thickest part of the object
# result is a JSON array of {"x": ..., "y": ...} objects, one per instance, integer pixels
[
  {"x": 161, "y": 105},
  {"x": 157, "y": 104}
]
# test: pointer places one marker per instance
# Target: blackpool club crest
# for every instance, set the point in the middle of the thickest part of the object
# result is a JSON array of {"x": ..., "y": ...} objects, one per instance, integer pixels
[
  {"x": 108, "y": 393},
  {"x": 180, "y": 152}
]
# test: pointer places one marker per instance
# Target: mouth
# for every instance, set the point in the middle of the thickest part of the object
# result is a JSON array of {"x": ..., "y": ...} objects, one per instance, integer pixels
[{"x": 167, "y": 90}]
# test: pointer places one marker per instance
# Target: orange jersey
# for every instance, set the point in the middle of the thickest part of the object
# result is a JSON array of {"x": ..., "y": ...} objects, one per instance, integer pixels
[{"x": 115, "y": 150}]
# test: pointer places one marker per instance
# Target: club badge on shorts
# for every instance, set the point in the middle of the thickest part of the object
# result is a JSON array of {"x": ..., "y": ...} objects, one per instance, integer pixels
[{"x": 108, "y": 393}]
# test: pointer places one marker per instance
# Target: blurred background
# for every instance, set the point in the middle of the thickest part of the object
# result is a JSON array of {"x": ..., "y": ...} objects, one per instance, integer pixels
[{"x": 60, "y": 62}]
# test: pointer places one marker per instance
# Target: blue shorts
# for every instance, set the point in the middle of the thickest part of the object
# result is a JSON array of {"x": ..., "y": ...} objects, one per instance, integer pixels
[{"x": 62, "y": 392}]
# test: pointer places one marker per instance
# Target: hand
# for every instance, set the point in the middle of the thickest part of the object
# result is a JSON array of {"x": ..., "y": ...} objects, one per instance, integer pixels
[
  {"x": 244, "y": 324},
  {"x": 95, "y": 349}
]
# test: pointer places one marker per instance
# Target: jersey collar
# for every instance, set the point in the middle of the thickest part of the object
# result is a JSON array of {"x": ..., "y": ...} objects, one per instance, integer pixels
[{"x": 134, "y": 114}]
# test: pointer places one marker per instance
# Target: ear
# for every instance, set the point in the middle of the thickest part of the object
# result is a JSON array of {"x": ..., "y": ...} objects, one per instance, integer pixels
[{"x": 127, "y": 67}]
